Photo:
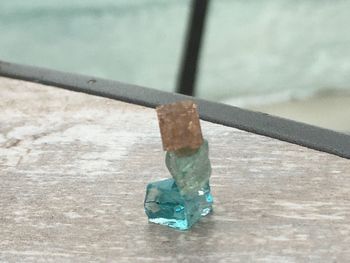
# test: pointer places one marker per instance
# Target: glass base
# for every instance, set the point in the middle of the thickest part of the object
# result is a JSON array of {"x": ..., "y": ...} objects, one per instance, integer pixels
[{"x": 166, "y": 206}]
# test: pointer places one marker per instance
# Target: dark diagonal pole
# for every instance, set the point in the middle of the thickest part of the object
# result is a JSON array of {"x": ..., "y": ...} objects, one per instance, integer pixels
[{"x": 188, "y": 70}]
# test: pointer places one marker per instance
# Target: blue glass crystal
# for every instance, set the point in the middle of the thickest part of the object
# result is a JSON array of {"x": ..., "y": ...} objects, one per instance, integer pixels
[{"x": 166, "y": 206}]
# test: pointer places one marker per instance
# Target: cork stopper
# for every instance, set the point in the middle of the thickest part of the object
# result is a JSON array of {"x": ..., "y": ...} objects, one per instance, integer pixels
[{"x": 180, "y": 126}]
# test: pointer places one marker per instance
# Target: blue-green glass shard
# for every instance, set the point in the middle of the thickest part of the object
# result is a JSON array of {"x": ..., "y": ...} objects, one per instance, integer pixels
[
  {"x": 190, "y": 172},
  {"x": 166, "y": 206}
]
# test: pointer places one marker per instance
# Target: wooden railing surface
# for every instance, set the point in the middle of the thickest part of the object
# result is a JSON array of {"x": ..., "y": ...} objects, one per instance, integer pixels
[{"x": 73, "y": 172}]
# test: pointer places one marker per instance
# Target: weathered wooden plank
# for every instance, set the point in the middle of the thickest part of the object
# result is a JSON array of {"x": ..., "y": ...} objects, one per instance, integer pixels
[{"x": 73, "y": 171}]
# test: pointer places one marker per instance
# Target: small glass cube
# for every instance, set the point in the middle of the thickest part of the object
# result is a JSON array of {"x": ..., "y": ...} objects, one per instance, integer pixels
[{"x": 166, "y": 206}]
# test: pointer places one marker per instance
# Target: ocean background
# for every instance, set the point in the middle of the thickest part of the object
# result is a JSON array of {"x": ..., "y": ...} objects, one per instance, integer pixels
[{"x": 255, "y": 52}]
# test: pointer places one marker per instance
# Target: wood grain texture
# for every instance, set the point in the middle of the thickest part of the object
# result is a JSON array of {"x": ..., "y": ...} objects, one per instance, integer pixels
[{"x": 73, "y": 172}]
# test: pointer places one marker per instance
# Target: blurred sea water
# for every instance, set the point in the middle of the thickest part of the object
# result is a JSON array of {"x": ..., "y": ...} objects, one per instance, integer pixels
[{"x": 254, "y": 52}]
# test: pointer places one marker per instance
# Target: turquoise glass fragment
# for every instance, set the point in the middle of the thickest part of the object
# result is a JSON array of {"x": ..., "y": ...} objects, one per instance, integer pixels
[
  {"x": 166, "y": 206},
  {"x": 181, "y": 201}
]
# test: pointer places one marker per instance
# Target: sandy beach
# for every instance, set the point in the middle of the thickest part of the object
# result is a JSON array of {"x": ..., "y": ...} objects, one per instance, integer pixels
[{"x": 327, "y": 111}]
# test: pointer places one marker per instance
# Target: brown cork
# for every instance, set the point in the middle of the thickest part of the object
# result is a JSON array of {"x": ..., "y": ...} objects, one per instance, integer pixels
[{"x": 180, "y": 126}]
